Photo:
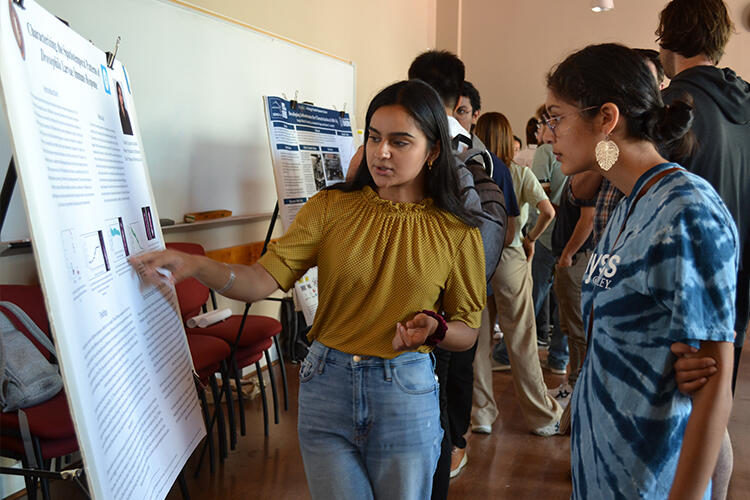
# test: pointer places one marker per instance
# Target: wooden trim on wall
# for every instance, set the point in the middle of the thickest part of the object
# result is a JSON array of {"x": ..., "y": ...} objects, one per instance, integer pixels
[{"x": 247, "y": 254}]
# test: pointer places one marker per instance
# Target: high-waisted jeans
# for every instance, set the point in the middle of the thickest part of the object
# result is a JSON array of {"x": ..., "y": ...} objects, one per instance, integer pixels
[{"x": 369, "y": 428}]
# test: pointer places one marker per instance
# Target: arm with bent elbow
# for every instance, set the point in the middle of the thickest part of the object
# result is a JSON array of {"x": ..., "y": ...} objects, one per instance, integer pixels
[
  {"x": 413, "y": 333},
  {"x": 546, "y": 214},
  {"x": 704, "y": 432}
]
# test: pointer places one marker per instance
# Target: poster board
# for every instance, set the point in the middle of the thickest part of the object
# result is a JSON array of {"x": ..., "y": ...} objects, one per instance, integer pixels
[
  {"x": 197, "y": 82},
  {"x": 311, "y": 148},
  {"x": 82, "y": 174}
]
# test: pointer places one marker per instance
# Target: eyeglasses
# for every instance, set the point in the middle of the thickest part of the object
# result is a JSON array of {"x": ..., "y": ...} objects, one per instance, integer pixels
[{"x": 553, "y": 122}]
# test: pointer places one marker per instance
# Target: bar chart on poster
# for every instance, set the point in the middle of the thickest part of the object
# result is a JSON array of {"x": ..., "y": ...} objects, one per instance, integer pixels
[{"x": 86, "y": 193}]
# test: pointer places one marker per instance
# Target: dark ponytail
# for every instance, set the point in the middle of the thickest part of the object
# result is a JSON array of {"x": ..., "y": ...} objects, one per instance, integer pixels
[{"x": 610, "y": 72}]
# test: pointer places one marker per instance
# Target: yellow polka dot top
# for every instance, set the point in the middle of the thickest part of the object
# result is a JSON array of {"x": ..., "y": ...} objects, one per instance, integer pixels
[{"x": 379, "y": 263}]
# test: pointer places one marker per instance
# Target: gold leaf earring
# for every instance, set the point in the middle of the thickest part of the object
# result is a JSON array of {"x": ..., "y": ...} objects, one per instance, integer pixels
[
  {"x": 607, "y": 153},
  {"x": 429, "y": 165}
]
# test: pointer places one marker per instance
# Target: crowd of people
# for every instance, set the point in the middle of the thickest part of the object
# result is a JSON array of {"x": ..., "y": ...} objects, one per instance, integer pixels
[{"x": 625, "y": 254}]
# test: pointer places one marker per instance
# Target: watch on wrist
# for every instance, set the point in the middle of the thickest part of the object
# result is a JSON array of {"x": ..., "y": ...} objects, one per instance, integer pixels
[{"x": 439, "y": 334}]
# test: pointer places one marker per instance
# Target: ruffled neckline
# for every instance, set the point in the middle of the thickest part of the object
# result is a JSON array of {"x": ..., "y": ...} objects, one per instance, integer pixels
[{"x": 396, "y": 207}]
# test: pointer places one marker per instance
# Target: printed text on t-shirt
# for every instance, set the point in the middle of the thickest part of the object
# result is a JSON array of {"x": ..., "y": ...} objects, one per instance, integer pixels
[{"x": 607, "y": 266}]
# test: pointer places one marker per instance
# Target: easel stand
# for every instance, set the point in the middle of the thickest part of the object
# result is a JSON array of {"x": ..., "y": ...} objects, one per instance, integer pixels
[
  {"x": 31, "y": 476},
  {"x": 8, "y": 185},
  {"x": 289, "y": 314}
]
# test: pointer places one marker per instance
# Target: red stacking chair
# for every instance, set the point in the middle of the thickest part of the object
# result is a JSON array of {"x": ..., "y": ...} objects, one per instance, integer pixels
[
  {"x": 50, "y": 426},
  {"x": 248, "y": 335},
  {"x": 209, "y": 357}
]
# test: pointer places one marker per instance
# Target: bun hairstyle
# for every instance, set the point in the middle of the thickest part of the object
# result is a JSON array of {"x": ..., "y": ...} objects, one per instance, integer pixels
[{"x": 610, "y": 72}]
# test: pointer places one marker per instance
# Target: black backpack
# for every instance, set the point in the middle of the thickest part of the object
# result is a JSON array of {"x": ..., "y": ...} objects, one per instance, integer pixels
[{"x": 484, "y": 199}]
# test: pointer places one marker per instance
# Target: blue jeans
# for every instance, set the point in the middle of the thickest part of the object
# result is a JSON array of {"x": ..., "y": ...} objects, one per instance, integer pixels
[{"x": 368, "y": 427}]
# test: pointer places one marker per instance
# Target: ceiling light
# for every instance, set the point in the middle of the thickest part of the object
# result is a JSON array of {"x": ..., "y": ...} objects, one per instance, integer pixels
[{"x": 602, "y": 5}]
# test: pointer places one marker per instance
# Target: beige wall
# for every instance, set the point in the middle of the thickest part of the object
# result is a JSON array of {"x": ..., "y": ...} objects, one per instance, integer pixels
[
  {"x": 381, "y": 37},
  {"x": 508, "y": 46}
]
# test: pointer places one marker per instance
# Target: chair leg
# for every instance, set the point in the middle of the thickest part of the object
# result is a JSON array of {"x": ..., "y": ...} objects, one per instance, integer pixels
[
  {"x": 230, "y": 405},
  {"x": 219, "y": 415},
  {"x": 209, "y": 433},
  {"x": 273, "y": 388},
  {"x": 42, "y": 464},
  {"x": 263, "y": 398},
  {"x": 30, "y": 482},
  {"x": 240, "y": 397},
  {"x": 183, "y": 485},
  {"x": 282, "y": 364}
]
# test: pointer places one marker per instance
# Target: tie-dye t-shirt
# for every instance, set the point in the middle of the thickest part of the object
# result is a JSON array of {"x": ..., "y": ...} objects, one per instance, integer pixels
[{"x": 670, "y": 277}]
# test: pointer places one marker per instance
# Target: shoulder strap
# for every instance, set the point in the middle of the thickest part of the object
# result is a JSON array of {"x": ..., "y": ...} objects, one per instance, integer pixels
[
  {"x": 477, "y": 155},
  {"x": 653, "y": 180},
  {"x": 34, "y": 330}
]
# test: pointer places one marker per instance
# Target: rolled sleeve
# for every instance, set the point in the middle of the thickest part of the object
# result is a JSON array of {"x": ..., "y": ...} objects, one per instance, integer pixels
[{"x": 533, "y": 192}]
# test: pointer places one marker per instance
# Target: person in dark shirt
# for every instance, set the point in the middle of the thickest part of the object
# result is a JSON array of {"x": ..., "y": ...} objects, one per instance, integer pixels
[
  {"x": 572, "y": 243},
  {"x": 692, "y": 36}
]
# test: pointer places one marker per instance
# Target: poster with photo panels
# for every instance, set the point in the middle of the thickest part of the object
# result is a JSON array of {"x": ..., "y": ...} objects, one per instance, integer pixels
[{"x": 309, "y": 147}]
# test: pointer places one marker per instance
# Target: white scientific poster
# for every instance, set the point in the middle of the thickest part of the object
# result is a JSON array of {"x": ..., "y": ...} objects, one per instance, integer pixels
[
  {"x": 310, "y": 147},
  {"x": 122, "y": 349}
]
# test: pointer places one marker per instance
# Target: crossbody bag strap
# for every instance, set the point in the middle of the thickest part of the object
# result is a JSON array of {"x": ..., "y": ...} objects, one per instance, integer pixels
[{"x": 653, "y": 180}]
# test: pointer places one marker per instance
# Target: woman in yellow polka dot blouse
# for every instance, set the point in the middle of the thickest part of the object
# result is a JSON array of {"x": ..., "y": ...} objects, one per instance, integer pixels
[{"x": 393, "y": 248}]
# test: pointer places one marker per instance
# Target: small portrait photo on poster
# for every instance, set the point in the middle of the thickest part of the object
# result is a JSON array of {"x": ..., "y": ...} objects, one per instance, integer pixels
[
  {"x": 317, "y": 165},
  {"x": 17, "y": 31},
  {"x": 334, "y": 172},
  {"x": 127, "y": 128}
]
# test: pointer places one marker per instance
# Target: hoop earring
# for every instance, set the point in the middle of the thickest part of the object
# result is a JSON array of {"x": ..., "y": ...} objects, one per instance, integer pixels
[{"x": 607, "y": 153}]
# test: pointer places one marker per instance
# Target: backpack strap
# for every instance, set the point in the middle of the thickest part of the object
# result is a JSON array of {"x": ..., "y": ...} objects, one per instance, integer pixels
[
  {"x": 20, "y": 314},
  {"x": 479, "y": 156}
]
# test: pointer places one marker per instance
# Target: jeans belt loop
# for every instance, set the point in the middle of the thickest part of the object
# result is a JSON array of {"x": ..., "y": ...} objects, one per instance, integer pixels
[
  {"x": 323, "y": 356},
  {"x": 387, "y": 369}
]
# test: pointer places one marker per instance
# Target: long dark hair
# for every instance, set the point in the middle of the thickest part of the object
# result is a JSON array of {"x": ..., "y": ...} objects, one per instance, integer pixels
[
  {"x": 423, "y": 104},
  {"x": 614, "y": 73}
]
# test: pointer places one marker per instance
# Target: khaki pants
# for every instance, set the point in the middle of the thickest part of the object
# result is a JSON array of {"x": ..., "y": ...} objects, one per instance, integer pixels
[
  {"x": 511, "y": 284},
  {"x": 568, "y": 293},
  {"x": 484, "y": 408}
]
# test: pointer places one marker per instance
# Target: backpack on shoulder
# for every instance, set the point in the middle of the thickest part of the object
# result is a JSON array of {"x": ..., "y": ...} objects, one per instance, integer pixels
[
  {"x": 484, "y": 199},
  {"x": 27, "y": 378}
]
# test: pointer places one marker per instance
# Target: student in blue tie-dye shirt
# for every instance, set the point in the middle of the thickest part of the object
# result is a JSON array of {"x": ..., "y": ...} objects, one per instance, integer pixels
[{"x": 664, "y": 271}]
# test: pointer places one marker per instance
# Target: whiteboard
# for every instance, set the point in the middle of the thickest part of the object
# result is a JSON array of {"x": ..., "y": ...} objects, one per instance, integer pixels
[{"x": 197, "y": 83}]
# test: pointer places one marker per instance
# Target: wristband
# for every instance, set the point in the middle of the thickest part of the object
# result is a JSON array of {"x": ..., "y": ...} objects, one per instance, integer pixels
[
  {"x": 229, "y": 282},
  {"x": 439, "y": 333}
]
